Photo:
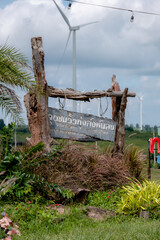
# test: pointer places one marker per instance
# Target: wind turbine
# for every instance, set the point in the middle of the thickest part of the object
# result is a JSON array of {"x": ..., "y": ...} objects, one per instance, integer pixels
[
  {"x": 72, "y": 29},
  {"x": 140, "y": 101}
]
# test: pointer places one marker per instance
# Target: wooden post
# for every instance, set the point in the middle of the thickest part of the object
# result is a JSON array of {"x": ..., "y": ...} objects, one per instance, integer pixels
[
  {"x": 149, "y": 163},
  {"x": 118, "y": 114},
  {"x": 120, "y": 129},
  {"x": 36, "y": 101}
]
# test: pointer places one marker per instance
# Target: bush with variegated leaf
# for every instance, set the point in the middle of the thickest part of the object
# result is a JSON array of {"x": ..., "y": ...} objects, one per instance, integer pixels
[{"x": 138, "y": 197}]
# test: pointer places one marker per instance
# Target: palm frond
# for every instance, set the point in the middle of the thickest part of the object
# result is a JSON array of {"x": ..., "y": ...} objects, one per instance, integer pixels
[
  {"x": 14, "y": 72},
  {"x": 8, "y": 93},
  {"x": 11, "y": 105},
  {"x": 14, "y": 68}
]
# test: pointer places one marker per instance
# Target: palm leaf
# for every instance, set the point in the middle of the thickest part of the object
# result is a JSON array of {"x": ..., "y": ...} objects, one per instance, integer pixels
[
  {"x": 8, "y": 93},
  {"x": 10, "y": 108},
  {"x": 14, "y": 72}
]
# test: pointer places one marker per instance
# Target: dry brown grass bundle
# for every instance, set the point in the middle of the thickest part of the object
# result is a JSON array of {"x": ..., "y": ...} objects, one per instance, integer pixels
[
  {"x": 109, "y": 172},
  {"x": 77, "y": 166},
  {"x": 134, "y": 158}
]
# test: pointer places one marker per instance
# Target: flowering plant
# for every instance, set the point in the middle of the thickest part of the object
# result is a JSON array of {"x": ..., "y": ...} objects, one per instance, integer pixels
[{"x": 8, "y": 229}]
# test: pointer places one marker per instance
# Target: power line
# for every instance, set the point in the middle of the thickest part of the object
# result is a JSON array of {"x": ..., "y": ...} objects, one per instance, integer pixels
[{"x": 115, "y": 8}]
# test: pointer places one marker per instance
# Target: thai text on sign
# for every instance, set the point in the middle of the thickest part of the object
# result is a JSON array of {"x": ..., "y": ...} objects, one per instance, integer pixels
[{"x": 78, "y": 126}]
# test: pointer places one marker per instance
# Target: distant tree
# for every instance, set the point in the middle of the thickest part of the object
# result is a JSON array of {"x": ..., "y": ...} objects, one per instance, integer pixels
[
  {"x": 2, "y": 124},
  {"x": 22, "y": 128},
  {"x": 137, "y": 125},
  {"x": 129, "y": 128},
  {"x": 131, "y": 125},
  {"x": 147, "y": 128},
  {"x": 155, "y": 128}
]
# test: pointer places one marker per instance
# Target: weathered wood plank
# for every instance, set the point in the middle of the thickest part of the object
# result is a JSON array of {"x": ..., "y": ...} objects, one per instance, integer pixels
[
  {"x": 80, "y": 127},
  {"x": 84, "y": 96}
]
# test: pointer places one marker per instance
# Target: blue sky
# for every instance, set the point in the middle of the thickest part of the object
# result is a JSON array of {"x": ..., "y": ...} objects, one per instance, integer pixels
[
  {"x": 4, "y": 3},
  {"x": 112, "y": 46}
]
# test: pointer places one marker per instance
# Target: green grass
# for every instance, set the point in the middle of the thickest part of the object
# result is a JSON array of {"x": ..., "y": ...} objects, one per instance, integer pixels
[
  {"x": 38, "y": 222},
  {"x": 78, "y": 227},
  {"x": 140, "y": 139},
  {"x": 155, "y": 174},
  {"x": 100, "y": 231}
]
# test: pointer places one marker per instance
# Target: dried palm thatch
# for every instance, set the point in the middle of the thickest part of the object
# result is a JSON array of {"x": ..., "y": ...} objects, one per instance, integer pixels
[{"x": 77, "y": 166}]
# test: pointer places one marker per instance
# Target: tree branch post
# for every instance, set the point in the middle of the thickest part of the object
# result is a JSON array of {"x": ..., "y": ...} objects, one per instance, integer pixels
[
  {"x": 36, "y": 101},
  {"x": 119, "y": 104}
]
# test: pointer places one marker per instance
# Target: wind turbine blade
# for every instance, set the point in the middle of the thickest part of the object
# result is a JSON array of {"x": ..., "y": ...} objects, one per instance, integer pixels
[
  {"x": 86, "y": 24},
  {"x": 63, "y": 15},
  {"x": 60, "y": 62}
]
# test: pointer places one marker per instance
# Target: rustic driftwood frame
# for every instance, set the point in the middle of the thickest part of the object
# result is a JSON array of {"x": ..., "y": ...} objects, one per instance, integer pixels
[{"x": 36, "y": 103}]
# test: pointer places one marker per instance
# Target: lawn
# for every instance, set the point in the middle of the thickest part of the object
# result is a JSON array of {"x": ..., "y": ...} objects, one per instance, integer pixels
[
  {"x": 82, "y": 229},
  {"x": 47, "y": 225},
  {"x": 155, "y": 174},
  {"x": 41, "y": 221}
]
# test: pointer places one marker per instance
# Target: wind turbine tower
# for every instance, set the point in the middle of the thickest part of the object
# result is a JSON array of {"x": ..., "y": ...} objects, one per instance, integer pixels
[
  {"x": 140, "y": 101},
  {"x": 72, "y": 29}
]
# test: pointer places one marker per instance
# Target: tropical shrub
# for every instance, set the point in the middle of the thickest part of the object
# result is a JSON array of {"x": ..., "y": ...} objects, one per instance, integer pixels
[
  {"x": 19, "y": 177},
  {"x": 137, "y": 197},
  {"x": 13, "y": 167}
]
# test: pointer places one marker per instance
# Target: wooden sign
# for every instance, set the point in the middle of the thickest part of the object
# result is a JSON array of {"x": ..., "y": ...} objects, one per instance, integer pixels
[{"x": 81, "y": 127}]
